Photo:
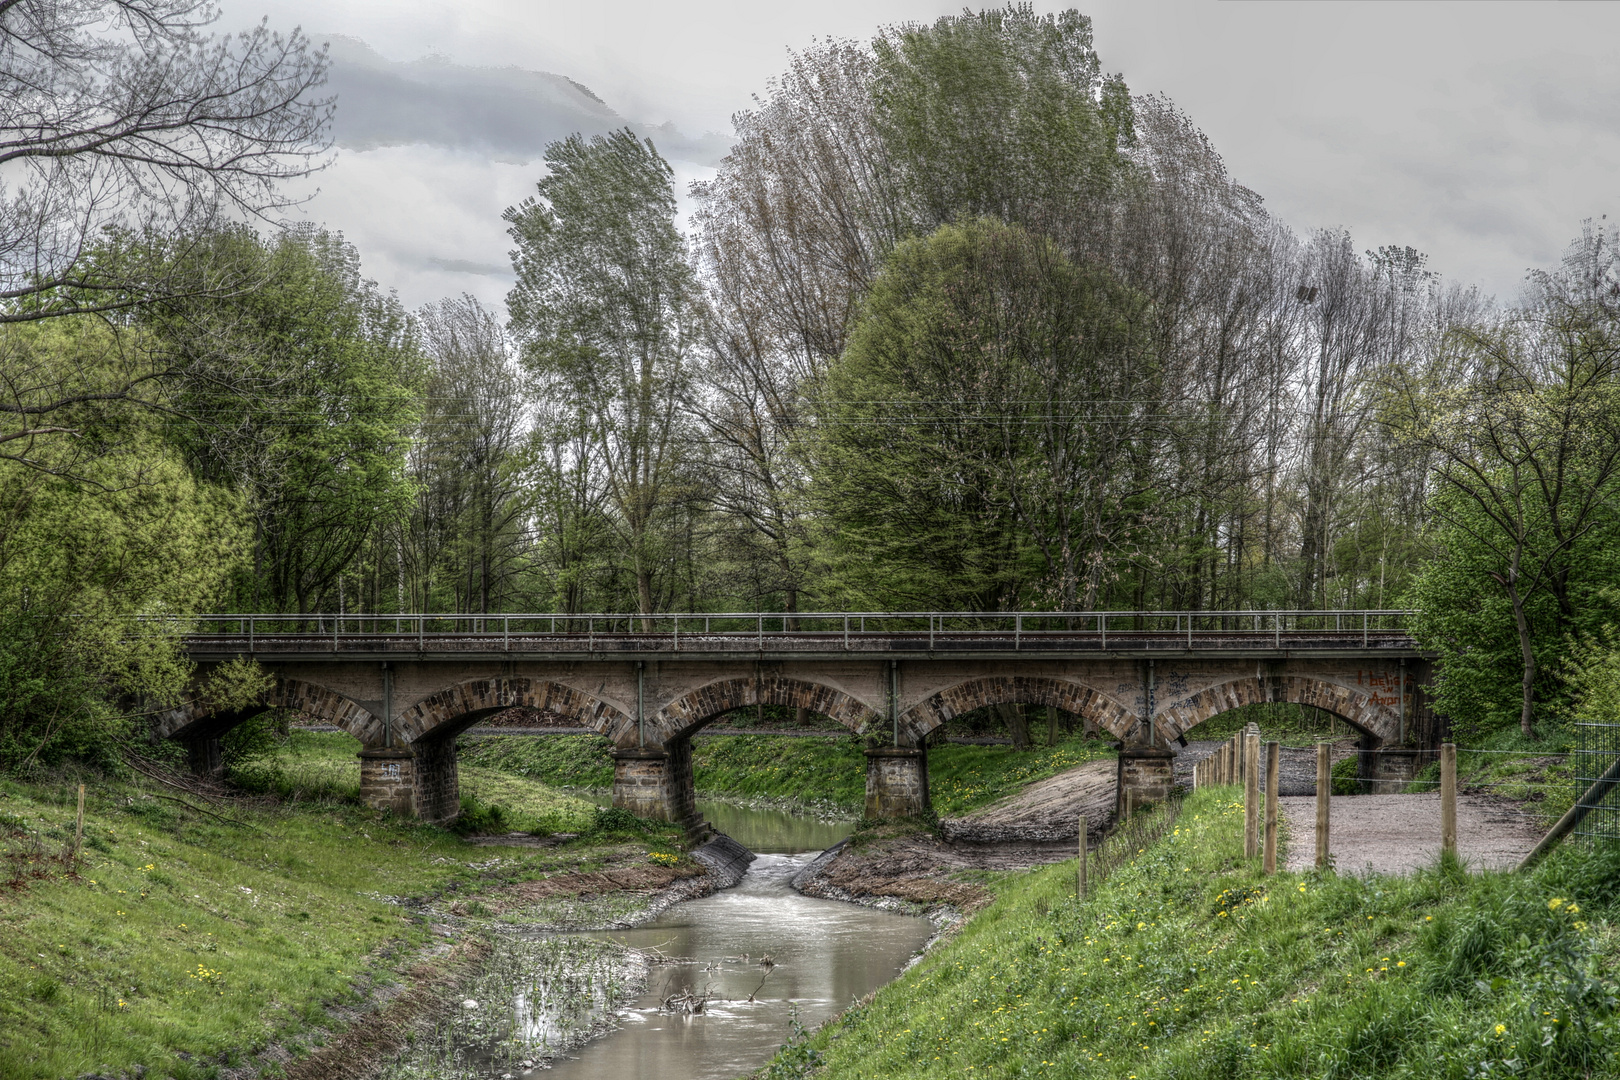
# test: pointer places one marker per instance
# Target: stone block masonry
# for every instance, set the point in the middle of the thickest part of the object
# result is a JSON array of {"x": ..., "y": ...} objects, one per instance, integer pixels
[
  {"x": 896, "y": 782},
  {"x": 388, "y": 780}
]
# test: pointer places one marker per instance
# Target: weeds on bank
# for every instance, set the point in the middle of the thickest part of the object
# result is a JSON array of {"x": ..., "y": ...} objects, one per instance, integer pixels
[
  {"x": 181, "y": 944},
  {"x": 1186, "y": 962},
  {"x": 532, "y": 998}
]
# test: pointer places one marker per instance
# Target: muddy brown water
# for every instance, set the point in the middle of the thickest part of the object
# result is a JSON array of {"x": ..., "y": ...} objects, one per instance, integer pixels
[{"x": 824, "y": 955}]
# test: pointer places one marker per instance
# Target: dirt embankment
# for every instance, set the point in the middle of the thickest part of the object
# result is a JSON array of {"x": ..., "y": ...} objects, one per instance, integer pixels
[{"x": 1037, "y": 826}]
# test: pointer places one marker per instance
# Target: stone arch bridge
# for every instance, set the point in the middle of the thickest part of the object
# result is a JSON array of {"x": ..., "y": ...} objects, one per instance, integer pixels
[{"x": 406, "y": 686}]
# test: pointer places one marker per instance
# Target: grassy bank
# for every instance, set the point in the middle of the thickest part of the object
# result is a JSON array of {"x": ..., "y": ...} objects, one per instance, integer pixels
[
  {"x": 181, "y": 943},
  {"x": 1187, "y": 963},
  {"x": 827, "y": 771},
  {"x": 323, "y": 764}
]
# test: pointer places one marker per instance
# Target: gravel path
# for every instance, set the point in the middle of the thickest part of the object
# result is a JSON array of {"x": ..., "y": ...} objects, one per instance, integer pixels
[{"x": 1396, "y": 834}]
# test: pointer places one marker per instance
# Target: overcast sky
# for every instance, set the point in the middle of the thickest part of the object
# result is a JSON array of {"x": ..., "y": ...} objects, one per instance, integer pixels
[{"x": 1480, "y": 133}]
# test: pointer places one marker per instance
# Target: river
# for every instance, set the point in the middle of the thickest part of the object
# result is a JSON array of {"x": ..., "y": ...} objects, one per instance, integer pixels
[{"x": 823, "y": 955}]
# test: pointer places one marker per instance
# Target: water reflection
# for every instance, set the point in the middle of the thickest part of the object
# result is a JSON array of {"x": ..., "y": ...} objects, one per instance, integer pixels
[
  {"x": 826, "y": 954},
  {"x": 762, "y": 831}
]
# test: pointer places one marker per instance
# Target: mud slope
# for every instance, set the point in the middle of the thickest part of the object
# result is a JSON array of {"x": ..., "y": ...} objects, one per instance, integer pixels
[{"x": 1045, "y": 812}]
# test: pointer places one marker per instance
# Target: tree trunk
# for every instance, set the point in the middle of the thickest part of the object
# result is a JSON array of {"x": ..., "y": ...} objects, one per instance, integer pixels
[
  {"x": 1527, "y": 653},
  {"x": 1013, "y": 716},
  {"x": 1051, "y": 726}
]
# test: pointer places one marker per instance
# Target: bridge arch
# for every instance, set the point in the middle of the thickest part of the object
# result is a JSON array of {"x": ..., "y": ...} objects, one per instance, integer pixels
[
  {"x": 689, "y": 712},
  {"x": 310, "y": 699},
  {"x": 456, "y": 708},
  {"x": 1354, "y": 706},
  {"x": 1086, "y": 701}
]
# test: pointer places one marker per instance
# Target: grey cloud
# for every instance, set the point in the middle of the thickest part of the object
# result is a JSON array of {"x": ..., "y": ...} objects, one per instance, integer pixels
[
  {"x": 467, "y": 266},
  {"x": 508, "y": 113}
]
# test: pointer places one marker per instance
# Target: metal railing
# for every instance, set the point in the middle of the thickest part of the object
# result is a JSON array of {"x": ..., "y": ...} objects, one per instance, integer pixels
[{"x": 841, "y": 630}]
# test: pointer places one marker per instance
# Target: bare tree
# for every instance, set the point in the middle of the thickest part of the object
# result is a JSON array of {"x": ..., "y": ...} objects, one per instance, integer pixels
[{"x": 126, "y": 133}]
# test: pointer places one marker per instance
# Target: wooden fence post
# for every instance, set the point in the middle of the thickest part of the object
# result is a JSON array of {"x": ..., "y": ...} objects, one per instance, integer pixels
[
  {"x": 1273, "y": 767},
  {"x": 1448, "y": 797},
  {"x": 1081, "y": 883},
  {"x": 1324, "y": 795},
  {"x": 78, "y": 827},
  {"x": 1251, "y": 794}
]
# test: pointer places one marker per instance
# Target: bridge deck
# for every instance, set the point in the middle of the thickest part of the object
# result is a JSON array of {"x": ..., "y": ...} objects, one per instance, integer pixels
[{"x": 1046, "y": 645}]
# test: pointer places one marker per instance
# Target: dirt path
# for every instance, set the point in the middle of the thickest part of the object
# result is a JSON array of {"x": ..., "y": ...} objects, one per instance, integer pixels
[
  {"x": 1396, "y": 834},
  {"x": 1046, "y": 811}
]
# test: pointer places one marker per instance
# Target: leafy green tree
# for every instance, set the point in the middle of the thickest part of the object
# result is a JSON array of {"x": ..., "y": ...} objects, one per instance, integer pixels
[
  {"x": 1006, "y": 114},
  {"x": 103, "y": 556},
  {"x": 608, "y": 312},
  {"x": 980, "y": 444},
  {"x": 303, "y": 396}
]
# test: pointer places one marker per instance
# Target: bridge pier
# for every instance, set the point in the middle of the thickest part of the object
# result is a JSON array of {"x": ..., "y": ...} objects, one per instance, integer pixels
[
  {"x": 1145, "y": 775},
  {"x": 656, "y": 782},
  {"x": 204, "y": 756},
  {"x": 896, "y": 781},
  {"x": 420, "y": 781}
]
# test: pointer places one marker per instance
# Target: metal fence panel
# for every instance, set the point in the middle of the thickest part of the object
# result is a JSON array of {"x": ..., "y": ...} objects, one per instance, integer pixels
[{"x": 1600, "y": 748}]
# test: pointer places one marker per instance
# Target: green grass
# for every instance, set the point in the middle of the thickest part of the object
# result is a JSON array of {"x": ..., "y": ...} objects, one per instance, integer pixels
[
  {"x": 317, "y": 763},
  {"x": 819, "y": 771},
  {"x": 1188, "y": 963},
  {"x": 180, "y": 934},
  {"x": 1509, "y": 765}
]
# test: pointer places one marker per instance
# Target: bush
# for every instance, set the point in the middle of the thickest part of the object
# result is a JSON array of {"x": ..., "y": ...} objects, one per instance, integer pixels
[
  {"x": 615, "y": 819},
  {"x": 1344, "y": 777}
]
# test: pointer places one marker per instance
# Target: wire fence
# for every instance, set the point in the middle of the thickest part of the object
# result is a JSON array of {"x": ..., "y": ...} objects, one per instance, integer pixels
[{"x": 1599, "y": 750}]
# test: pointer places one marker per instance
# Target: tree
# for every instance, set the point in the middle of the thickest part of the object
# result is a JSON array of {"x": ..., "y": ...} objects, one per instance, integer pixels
[
  {"x": 123, "y": 119},
  {"x": 318, "y": 446},
  {"x": 1005, "y": 114},
  {"x": 468, "y": 524},
  {"x": 1525, "y": 431},
  {"x": 607, "y": 311},
  {"x": 976, "y": 444}
]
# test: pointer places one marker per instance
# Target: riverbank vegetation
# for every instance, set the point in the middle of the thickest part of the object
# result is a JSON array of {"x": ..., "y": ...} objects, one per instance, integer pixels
[
  {"x": 1186, "y": 962},
  {"x": 185, "y": 940}
]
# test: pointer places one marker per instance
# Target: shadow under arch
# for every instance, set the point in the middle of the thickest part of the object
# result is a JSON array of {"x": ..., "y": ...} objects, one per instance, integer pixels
[
  {"x": 446, "y": 713},
  {"x": 309, "y": 699},
  {"x": 691, "y": 711},
  {"x": 1355, "y": 707},
  {"x": 1085, "y": 701}
]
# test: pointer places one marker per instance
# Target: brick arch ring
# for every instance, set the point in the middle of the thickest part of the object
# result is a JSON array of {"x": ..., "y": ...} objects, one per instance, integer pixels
[
  {"x": 458, "y": 707},
  {"x": 688, "y": 713},
  {"x": 1353, "y": 706},
  {"x": 1078, "y": 698},
  {"x": 309, "y": 699}
]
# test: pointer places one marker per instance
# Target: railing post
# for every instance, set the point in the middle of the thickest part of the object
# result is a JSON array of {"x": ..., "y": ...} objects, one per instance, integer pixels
[
  {"x": 1448, "y": 797},
  {"x": 1324, "y": 796},
  {"x": 506, "y": 633},
  {"x": 846, "y": 632},
  {"x": 250, "y": 635},
  {"x": 1080, "y": 881},
  {"x": 1273, "y": 767},
  {"x": 1251, "y": 793},
  {"x": 1018, "y": 630}
]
